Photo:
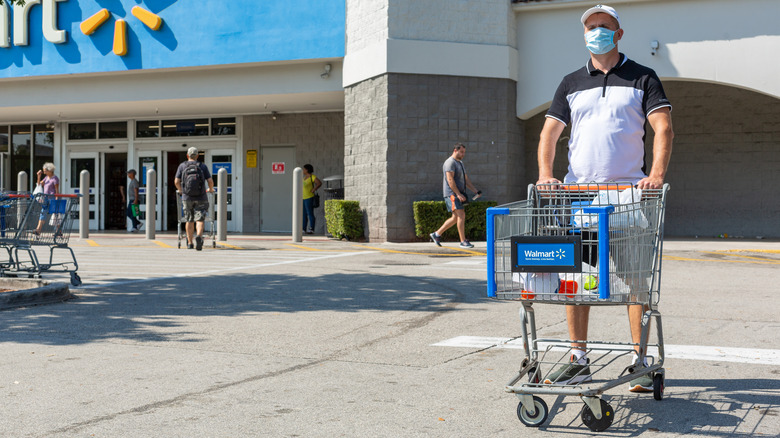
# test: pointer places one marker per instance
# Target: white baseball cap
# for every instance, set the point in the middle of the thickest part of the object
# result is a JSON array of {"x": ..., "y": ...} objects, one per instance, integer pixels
[{"x": 600, "y": 8}]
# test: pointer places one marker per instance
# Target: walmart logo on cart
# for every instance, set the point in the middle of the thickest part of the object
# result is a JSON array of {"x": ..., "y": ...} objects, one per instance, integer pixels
[{"x": 546, "y": 255}]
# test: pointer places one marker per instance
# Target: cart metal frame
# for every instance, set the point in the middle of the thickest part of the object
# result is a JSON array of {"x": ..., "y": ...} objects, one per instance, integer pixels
[
  {"x": 624, "y": 237},
  {"x": 27, "y": 221}
]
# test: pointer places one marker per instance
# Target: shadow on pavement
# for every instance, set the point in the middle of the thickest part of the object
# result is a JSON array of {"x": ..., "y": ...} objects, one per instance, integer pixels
[
  {"x": 151, "y": 311},
  {"x": 712, "y": 407}
]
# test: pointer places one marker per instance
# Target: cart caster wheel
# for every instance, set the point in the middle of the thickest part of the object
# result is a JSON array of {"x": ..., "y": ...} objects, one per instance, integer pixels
[
  {"x": 658, "y": 386},
  {"x": 534, "y": 376},
  {"x": 536, "y": 418},
  {"x": 180, "y": 244},
  {"x": 75, "y": 279},
  {"x": 594, "y": 424}
]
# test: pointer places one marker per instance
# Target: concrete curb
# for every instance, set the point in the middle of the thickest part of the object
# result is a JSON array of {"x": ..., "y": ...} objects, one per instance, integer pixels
[{"x": 31, "y": 292}]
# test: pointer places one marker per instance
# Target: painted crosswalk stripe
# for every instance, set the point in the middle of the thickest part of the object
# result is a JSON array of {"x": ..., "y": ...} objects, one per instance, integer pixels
[{"x": 759, "y": 356}]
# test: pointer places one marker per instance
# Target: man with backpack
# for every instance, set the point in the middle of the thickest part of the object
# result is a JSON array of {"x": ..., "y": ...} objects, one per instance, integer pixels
[{"x": 193, "y": 181}]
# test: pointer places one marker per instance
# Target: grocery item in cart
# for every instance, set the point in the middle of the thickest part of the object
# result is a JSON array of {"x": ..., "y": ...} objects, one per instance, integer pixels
[{"x": 625, "y": 215}]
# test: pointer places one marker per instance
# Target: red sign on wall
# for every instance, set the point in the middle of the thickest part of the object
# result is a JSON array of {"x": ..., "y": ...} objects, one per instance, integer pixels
[{"x": 277, "y": 168}]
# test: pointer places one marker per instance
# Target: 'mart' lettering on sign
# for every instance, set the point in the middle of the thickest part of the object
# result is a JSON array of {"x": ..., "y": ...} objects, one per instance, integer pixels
[
  {"x": 21, "y": 24},
  {"x": 22, "y": 19}
]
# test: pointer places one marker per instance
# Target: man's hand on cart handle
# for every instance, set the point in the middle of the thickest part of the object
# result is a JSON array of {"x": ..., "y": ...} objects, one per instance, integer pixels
[
  {"x": 651, "y": 182},
  {"x": 548, "y": 180}
]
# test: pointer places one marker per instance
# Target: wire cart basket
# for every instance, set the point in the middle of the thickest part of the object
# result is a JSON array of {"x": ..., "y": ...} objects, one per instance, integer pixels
[
  {"x": 208, "y": 226},
  {"x": 585, "y": 245},
  {"x": 27, "y": 221}
]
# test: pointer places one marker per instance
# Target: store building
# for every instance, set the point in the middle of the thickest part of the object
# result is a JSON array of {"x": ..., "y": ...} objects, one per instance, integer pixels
[
  {"x": 377, "y": 92},
  {"x": 108, "y": 87}
]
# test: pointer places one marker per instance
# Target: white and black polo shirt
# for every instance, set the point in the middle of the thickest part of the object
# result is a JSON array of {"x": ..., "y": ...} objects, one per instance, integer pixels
[{"x": 607, "y": 113}]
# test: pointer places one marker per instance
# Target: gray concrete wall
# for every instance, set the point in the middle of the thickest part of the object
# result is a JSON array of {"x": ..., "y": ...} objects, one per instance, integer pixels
[
  {"x": 724, "y": 167},
  {"x": 318, "y": 139},
  {"x": 399, "y": 130}
]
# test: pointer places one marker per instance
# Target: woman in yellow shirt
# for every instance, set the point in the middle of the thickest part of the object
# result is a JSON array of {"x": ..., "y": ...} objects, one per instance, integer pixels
[{"x": 310, "y": 185}]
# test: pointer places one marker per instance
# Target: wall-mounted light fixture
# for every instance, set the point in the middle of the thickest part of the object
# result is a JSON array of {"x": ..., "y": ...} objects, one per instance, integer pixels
[
  {"x": 326, "y": 74},
  {"x": 654, "y": 45},
  {"x": 273, "y": 115}
]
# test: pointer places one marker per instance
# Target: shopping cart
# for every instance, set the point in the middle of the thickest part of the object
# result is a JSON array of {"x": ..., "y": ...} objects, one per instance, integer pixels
[
  {"x": 579, "y": 244},
  {"x": 208, "y": 226},
  {"x": 39, "y": 220},
  {"x": 13, "y": 208}
]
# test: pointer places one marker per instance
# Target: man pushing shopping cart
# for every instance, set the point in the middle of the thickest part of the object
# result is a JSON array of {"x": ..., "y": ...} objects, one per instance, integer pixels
[{"x": 606, "y": 104}]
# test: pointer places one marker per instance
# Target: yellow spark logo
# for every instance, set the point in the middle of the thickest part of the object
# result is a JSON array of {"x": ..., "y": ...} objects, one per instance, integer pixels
[{"x": 91, "y": 24}]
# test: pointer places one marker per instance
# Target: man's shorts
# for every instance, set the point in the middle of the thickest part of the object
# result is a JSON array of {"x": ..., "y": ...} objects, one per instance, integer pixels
[
  {"x": 195, "y": 211},
  {"x": 453, "y": 203}
]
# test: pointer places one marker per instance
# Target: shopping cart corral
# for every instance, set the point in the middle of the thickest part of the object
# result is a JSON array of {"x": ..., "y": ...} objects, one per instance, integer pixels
[
  {"x": 585, "y": 245},
  {"x": 42, "y": 220}
]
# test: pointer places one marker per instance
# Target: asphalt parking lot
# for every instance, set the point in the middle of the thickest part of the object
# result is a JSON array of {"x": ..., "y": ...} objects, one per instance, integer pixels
[{"x": 261, "y": 336}]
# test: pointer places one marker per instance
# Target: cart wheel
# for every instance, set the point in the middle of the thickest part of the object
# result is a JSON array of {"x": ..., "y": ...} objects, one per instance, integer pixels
[
  {"x": 533, "y": 375},
  {"x": 180, "y": 244},
  {"x": 535, "y": 418},
  {"x": 214, "y": 244},
  {"x": 594, "y": 424},
  {"x": 658, "y": 386},
  {"x": 75, "y": 279}
]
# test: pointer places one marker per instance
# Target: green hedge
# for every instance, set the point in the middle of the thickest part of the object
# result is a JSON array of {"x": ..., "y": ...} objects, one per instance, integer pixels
[
  {"x": 344, "y": 219},
  {"x": 429, "y": 215}
]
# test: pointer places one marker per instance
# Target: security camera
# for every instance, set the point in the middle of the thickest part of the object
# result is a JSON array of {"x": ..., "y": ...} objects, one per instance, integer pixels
[
  {"x": 654, "y": 45},
  {"x": 326, "y": 74}
]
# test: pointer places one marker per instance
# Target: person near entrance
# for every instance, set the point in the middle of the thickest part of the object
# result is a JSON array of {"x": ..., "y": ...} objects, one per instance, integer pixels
[
  {"x": 454, "y": 187},
  {"x": 50, "y": 184},
  {"x": 193, "y": 181},
  {"x": 607, "y": 103},
  {"x": 132, "y": 199},
  {"x": 310, "y": 185}
]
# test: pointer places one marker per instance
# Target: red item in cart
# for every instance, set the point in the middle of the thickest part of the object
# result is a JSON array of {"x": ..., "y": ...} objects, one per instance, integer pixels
[{"x": 568, "y": 288}]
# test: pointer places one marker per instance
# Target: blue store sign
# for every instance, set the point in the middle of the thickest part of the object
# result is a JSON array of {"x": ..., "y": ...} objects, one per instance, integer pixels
[{"x": 55, "y": 37}]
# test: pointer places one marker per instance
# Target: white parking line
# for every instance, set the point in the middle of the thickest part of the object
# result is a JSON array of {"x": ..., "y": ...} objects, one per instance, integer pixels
[
  {"x": 308, "y": 258},
  {"x": 689, "y": 352}
]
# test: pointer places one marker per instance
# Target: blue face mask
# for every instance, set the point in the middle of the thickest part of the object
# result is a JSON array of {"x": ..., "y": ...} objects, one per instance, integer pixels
[{"x": 599, "y": 40}]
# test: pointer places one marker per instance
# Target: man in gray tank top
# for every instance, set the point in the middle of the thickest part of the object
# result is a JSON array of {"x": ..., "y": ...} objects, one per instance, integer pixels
[{"x": 454, "y": 185}]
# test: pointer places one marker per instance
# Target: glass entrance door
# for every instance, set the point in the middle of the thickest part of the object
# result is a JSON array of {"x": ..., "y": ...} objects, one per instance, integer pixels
[
  {"x": 88, "y": 161},
  {"x": 150, "y": 160},
  {"x": 223, "y": 159}
]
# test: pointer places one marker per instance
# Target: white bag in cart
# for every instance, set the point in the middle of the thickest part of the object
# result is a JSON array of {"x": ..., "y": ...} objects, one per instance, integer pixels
[
  {"x": 56, "y": 219},
  {"x": 622, "y": 217},
  {"x": 538, "y": 282}
]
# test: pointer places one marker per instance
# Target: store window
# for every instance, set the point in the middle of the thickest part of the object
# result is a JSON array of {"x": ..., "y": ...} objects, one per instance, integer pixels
[
  {"x": 223, "y": 126},
  {"x": 3, "y": 139},
  {"x": 185, "y": 128},
  {"x": 43, "y": 151},
  {"x": 20, "y": 154},
  {"x": 147, "y": 128},
  {"x": 112, "y": 130},
  {"x": 82, "y": 131}
]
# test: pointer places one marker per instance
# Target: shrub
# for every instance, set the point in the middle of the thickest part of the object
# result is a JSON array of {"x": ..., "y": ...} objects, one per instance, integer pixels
[
  {"x": 429, "y": 215},
  {"x": 344, "y": 219}
]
